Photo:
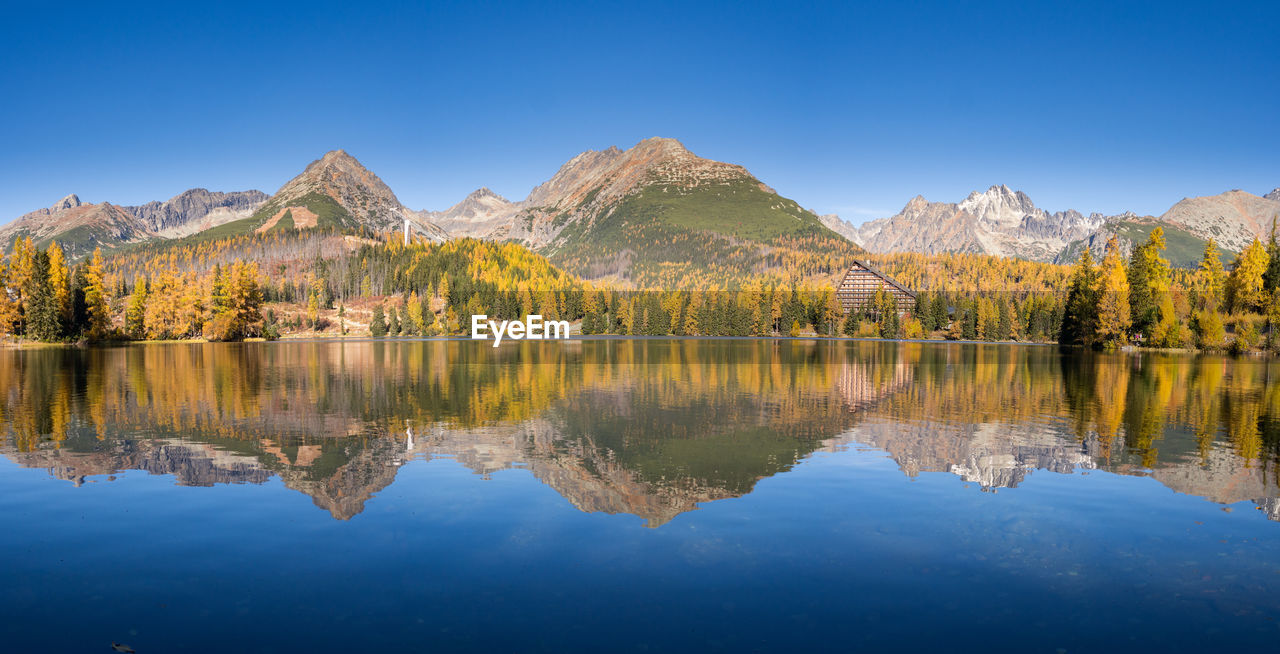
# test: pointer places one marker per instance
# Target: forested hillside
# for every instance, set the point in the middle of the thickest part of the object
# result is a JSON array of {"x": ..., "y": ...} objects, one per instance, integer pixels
[{"x": 327, "y": 281}]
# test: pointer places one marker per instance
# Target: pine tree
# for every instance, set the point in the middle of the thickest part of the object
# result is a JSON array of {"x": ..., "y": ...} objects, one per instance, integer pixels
[
  {"x": 1004, "y": 320},
  {"x": 1273, "y": 319},
  {"x": 1113, "y": 298},
  {"x": 852, "y": 322},
  {"x": 405, "y": 321},
  {"x": 378, "y": 325},
  {"x": 412, "y": 317},
  {"x": 60, "y": 282},
  {"x": 444, "y": 290},
  {"x": 833, "y": 313},
  {"x": 135, "y": 314},
  {"x": 1210, "y": 279},
  {"x": 432, "y": 322},
  {"x": 219, "y": 293},
  {"x": 1208, "y": 329},
  {"x": 922, "y": 313},
  {"x": 95, "y": 297},
  {"x": 246, "y": 299},
  {"x": 1245, "y": 290},
  {"x": 775, "y": 310},
  {"x": 395, "y": 328},
  {"x": 1080, "y": 320},
  {"x": 41, "y": 307},
  {"x": 451, "y": 321},
  {"x": 1149, "y": 281},
  {"x": 1271, "y": 279},
  {"x": 938, "y": 312},
  {"x": 313, "y": 310},
  {"x": 8, "y": 307},
  {"x": 20, "y": 266}
]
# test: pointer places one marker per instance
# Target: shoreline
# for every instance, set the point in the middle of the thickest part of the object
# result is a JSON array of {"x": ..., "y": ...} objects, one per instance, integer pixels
[{"x": 322, "y": 337}]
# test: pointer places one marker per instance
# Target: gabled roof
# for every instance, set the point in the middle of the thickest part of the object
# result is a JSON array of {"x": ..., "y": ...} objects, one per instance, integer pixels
[{"x": 871, "y": 269}]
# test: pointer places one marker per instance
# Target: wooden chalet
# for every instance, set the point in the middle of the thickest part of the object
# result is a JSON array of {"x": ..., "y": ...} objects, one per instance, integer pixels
[{"x": 859, "y": 286}]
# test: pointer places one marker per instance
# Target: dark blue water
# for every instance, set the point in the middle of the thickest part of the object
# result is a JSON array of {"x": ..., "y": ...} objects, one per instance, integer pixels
[{"x": 655, "y": 496}]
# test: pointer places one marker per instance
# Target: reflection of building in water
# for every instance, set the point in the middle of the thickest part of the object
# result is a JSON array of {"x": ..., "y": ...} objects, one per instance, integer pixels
[{"x": 862, "y": 386}]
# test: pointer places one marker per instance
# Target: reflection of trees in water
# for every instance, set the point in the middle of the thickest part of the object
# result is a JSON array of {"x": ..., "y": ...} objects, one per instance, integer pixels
[{"x": 650, "y": 428}]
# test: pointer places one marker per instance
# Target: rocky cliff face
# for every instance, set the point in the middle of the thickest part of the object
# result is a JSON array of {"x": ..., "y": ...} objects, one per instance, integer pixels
[
  {"x": 478, "y": 214},
  {"x": 848, "y": 230},
  {"x": 78, "y": 227},
  {"x": 998, "y": 221},
  {"x": 1233, "y": 218},
  {"x": 337, "y": 190},
  {"x": 1006, "y": 223},
  {"x": 196, "y": 210}
]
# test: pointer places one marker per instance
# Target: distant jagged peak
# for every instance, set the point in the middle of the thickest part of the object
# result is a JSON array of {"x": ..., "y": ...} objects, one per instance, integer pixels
[
  {"x": 69, "y": 202},
  {"x": 480, "y": 205},
  {"x": 338, "y": 159},
  {"x": 995, "y": 190},
  {"x": 915, "y": 204},
  {"x": 337, "y": 155},
  {"x": 1000, "y": 198},
  {"x": 485, "y": 193},
  {"x": 199, "y": 190},
  {"x": 1273, "y": 195}
]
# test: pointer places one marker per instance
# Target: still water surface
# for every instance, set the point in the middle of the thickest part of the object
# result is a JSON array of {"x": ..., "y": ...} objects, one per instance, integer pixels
[{"x": 651, "y": 495}]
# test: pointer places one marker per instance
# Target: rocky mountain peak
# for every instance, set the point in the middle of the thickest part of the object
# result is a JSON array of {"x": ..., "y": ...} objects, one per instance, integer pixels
[
  {"x": 484, "y": 193},
  {"x": 662, "y": 145},
  {"x": 338, "y": 155},
  {"x": 915, "y": 204},
  {"x": 998, "y": 221},
  {"x": 336, "y": 160},
  {"x": 197, "y": 209},
  {"x": 69, "y": 202},
  {"x": 361, "y": 197},
  {"x": 999, "y": 203},
  {"x": 1273, "y": 195}
]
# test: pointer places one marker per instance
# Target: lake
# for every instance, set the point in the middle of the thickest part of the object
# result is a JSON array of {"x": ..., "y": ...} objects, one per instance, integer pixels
[{"x": 637, "y": 495}]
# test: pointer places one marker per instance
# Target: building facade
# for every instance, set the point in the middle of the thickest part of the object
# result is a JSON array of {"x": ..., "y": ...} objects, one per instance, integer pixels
[{"x": 859, "y": 286}]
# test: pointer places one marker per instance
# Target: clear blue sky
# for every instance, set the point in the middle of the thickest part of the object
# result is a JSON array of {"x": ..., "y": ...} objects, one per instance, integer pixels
[{"x": 845, "y": 108}]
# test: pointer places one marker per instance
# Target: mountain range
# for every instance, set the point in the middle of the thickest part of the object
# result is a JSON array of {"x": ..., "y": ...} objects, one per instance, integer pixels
[
  {"x": 1003, "y": 222},
  {"x": 644, "y": 212},
  {"x": 997, "y": 221}
]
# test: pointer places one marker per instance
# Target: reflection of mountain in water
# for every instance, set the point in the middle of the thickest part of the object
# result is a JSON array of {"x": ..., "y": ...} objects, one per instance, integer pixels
[{"x": 648, "y": 428}]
